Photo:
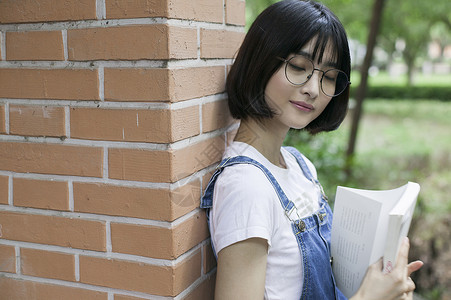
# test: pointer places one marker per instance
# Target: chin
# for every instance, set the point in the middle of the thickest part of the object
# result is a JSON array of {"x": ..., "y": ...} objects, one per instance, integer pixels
[{"x": 297, "y": 125}]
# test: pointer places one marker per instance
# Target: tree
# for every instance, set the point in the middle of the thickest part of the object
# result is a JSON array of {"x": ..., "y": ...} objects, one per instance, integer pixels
[
  {"x": 407, "y": 22},
  {"x": 361, "y": 91}
]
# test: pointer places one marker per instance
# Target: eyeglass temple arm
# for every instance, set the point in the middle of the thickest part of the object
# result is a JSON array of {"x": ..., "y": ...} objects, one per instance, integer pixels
[{"x": 282, "y": 59}]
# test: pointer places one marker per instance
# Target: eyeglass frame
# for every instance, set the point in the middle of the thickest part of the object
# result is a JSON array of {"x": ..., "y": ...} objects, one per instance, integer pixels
[{"x": 310, "y": 76}]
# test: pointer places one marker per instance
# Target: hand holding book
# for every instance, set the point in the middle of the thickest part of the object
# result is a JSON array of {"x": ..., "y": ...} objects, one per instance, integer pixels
[
  {"x": 368, "y": 225},
  {"x": 397, "y": 284}
]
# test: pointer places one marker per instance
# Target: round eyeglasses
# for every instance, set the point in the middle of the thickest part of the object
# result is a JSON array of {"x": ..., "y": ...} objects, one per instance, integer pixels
[{"x": 299, "y": 69}]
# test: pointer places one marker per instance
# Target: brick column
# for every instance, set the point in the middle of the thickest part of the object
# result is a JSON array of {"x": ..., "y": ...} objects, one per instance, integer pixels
[{"x": 112, "y": 116}]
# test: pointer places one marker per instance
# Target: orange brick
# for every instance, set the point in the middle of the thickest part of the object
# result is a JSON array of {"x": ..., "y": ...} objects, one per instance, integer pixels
[
  {"x": 185, "y": 198},
  {"x": 13, "y": 289},
  {"x": 219, "y": 43},
  {"x": 209, "y": 259},
  {"x": 149, "y": 241},
  {"x": 139, "y": 165},
  {"x": 34, "y": 45},
  {"x": 204, "y": 291},
  {"x": 47, "y": 264},
  {"x": 193, "y": 158},
  {"x": 182, "y": 42},
  {"x": 51, "y": 159},
  {"x": 135, "y": 9},
  {"x": 215, "y": 115},
  {"x": 59, "y": 231},
  {"x": 155, "y": 204},
  {"x": 122, "y": 201},
  {"x": 163, "y": 84},
  {"x": 7, "y": 259},
  {"x": 136, "y": 84},
  {"x": 36, "y": 120},
  {"x": 40, "y": 194},
  {"x": 235, "y": 12},
  {"x": 157, "y": 242},
  {"x": 151, "y": 279},
  {"x": 209, "y": 81},
  {"x": 4, "y": 189},
  {"x": 184, "y": 123},
  {"x": 158, "y": 126},
  {"x": 149, "y": 42},
  {"x": 27, "y": 11},
  {"x": 163, "y": 166},
  {"x": 198, "y": 10},
  {"x": 67, "y": 84},
  {"x": 187, "y": 272},
  {"x": 2, "y": 119},
  {"x": 190, "y": 233}
]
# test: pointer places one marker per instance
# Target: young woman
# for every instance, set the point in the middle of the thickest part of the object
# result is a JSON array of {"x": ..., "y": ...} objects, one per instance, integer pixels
[{"x": 269, "y": 220}]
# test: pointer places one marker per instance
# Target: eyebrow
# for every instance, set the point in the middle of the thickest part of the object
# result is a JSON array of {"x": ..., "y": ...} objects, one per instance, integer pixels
[{"x": 325, "y": 64}]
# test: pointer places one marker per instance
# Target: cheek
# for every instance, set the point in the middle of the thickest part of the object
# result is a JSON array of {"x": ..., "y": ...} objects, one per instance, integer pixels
[
  {"x": 323, "y": 104},
  {"x": 324, "y": 100},
  {"x": 277, "y": 84}
]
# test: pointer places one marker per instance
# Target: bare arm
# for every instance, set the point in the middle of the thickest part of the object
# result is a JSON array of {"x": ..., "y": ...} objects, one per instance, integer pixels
[{"x": 241, "y": 270}]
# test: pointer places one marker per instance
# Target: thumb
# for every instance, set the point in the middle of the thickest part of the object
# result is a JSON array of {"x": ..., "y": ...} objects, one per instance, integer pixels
[{"x": 414, "y": 266}]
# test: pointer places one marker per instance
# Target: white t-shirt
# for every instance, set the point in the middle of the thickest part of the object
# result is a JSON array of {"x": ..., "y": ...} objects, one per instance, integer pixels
[{"x": 245, "y": 205}]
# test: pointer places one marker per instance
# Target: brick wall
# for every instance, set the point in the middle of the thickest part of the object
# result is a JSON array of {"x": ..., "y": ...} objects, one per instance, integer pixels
[{"x": 112, "y": 116}]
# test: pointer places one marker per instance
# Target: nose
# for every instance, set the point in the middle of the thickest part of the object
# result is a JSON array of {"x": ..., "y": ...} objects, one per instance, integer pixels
[{"x": 312, "y": 86}]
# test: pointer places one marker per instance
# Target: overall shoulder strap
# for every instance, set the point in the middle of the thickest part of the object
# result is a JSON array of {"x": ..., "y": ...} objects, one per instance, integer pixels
[
  {"x": 207, "y": 198},
  {"x": 301, "y": 161},
  {"x": 305, "y": 169}
]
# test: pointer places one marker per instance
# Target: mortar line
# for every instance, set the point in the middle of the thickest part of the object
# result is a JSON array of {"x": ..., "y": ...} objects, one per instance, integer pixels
[{"x": 65, "y": 49}]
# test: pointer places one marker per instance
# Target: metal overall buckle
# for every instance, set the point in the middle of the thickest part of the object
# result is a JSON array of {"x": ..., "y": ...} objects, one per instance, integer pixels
[{"x": 300, "y": 224}]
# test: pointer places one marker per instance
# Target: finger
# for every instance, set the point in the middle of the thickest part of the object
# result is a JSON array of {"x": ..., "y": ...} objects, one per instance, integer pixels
[
  {"x": 403, "y": 254},
  {"x": 410, "y": 285},
  {"x": 414, "y": 266},
  {"x": 410, "y": 295},
  {"x": 378, "y": 265},
  {"x": 403, "y": 296},
  {"x": 407, "y": 290}
]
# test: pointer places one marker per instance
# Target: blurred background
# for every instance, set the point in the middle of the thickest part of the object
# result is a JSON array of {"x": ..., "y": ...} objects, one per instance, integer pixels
[{"x": 404, "y": 130}]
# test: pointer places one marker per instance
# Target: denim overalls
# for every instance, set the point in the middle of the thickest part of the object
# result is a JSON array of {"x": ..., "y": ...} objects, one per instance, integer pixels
[{"x": 312, "y": 233}]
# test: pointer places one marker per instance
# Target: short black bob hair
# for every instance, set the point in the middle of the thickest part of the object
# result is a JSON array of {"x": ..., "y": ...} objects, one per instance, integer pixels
[{"x": 281, "y": 29}]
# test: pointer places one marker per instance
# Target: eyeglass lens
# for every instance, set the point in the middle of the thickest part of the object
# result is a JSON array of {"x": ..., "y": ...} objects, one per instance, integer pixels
[{"x": 299, "y": 69}]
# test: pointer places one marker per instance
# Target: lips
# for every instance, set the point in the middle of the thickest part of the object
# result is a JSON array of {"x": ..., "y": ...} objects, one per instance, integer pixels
[{"x": 302, "y": 105}]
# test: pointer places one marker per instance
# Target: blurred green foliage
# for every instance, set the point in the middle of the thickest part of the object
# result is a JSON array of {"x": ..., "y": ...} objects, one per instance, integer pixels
[
  {"x": 399, "y": 141},
  {"x": 442, "y": 93}
]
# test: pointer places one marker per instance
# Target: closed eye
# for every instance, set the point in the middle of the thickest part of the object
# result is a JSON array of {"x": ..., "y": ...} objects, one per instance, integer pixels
[
  {"x": 297, "y": 68},
  {"x": 330, "y": 78},
  {"x": 331, "y": 75}
]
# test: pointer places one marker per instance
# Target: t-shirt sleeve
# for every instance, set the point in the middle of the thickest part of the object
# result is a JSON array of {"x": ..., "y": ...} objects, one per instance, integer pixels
[{"x": 243, "y": 206}]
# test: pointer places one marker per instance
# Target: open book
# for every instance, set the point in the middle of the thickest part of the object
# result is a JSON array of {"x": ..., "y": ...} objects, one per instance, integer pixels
[{"x": 366, "y": 226}]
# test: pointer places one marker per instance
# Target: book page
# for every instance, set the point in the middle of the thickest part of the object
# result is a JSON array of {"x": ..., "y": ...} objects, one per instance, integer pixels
[
  {"x": 399, "y": 223},
  {"x": 360, "y": 229},
  {"x": 352, "y": 239}
]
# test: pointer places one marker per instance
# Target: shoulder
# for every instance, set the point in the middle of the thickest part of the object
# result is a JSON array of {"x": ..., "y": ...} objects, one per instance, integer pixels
[
  {"x": 245, "y": 205},
  {"x": 243, "y": 180}
]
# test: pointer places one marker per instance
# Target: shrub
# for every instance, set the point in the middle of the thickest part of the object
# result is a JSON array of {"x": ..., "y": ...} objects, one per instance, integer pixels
[{"x": 442, "y": 93}]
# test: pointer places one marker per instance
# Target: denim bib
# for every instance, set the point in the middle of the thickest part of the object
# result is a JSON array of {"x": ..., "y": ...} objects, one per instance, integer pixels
[{"x": 312, "y": 233}]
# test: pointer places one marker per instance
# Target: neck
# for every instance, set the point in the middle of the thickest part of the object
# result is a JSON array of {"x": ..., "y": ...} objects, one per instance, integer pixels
[{"x": 266, "y": 139}]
